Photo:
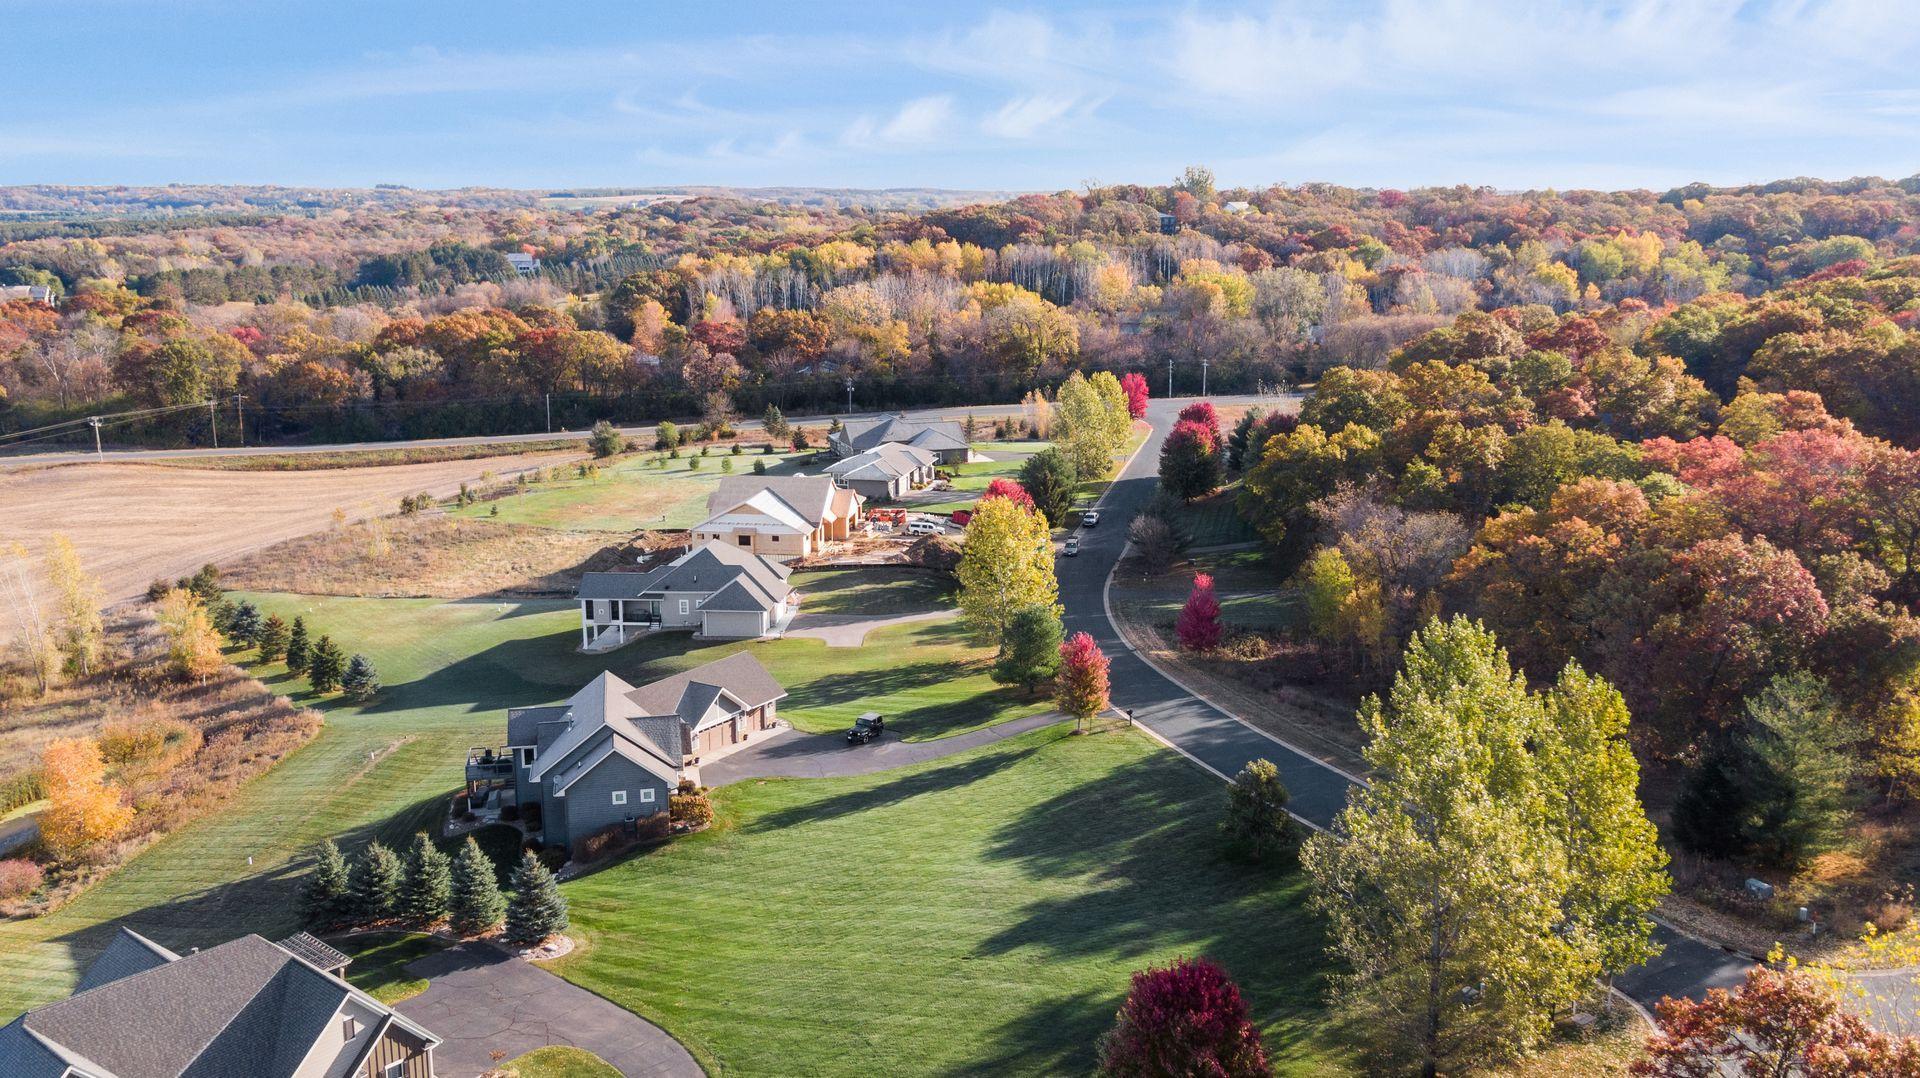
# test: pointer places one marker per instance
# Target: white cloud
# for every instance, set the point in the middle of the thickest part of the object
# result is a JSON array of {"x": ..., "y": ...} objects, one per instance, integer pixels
[
  {"x": 920, "y": 121},
  {"x": 1025, "y": 117}
]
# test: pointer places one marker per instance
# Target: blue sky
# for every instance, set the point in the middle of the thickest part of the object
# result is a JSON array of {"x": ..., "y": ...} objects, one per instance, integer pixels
[{"x": 1510, "y": 93}]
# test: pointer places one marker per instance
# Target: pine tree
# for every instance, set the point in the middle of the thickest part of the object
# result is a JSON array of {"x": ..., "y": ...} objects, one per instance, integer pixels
[
  {"x": 324, "y": 895},
  {"x": 475, "y": 904},
  {"x": 774, "y": 424},
  {"x": 272, "y": 640},
  {"x": 1030, "y": 650},
  {"x": 1049, "y": 479},
  {"x": 244, "y": 625},
  {"x": 427, "y": 891},
  {"x": 537, "y": 909},
  {"x": 374, "y": 883},
  {"x": 360, "y": 682},
  {"x": 299, "y": 648},
  {"x": 326, "y": 665},
  {"x": 1257, "y": 821}
]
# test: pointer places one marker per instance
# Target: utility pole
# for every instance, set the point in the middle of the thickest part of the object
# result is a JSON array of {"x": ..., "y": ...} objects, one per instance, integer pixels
[
  {"x": 1203, "y": 377},
  {"x": 549, "y": 413},
  {"x": 95, "y": 421},
  {"x": 1169, "y": 376},
  {"x": 849, "y": 395},
  {"x": 240, "y": 417},
  {"x": 213, "y": 421}
]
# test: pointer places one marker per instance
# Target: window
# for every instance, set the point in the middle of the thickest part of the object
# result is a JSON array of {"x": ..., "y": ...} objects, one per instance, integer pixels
[
  {"x": 746, "y": 540},
  {"x": 620, "y": 797},
  {"x": 349, "y": 1029},
  {"x": 526, "y": 757},
  {"x": 645, "y": 795},
  {"x": 394, "y": 1070},
  {"x": 683, "y": 606}
]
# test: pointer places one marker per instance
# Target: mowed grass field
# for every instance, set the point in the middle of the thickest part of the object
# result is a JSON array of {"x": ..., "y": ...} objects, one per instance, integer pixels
[
  {"x": 979, "y": 914},
  {"x": 633, "y": 493},
  {"x": 450, "y": 670}
]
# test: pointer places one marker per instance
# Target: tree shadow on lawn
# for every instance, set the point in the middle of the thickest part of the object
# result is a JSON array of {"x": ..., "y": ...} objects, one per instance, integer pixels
[
  {"x": 886, "y": 691},
  {"x": 920, "y": 783},
  {"x": 1059, "y": 1036}
]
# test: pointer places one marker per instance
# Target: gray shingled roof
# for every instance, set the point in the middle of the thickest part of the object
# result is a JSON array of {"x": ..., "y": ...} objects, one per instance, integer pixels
[
  {"x": 703, "y": 570},
  {"x": 739, "y": 674},
  {"x": 523, "y": 723},
  {"x": 739, "y": 596},
  {"x": 126, "y": 954},
  {"x": 808, "y": 495},
  {"x": 862, "y": 435}
]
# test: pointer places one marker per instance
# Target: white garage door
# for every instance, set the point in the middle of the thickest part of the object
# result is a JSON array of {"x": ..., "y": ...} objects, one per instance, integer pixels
[{"x": 734, "y": 624}]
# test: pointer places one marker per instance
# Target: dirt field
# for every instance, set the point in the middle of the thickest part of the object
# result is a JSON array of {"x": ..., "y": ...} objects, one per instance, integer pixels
[{"x": 135, "y": 522}]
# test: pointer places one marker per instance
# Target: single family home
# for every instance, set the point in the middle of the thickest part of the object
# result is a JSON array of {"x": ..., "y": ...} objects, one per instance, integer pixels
[
  {"x": 781, "y": 517},
  {"x": 885, "y": 472},
  {"x": 613, "y": 753},
  {"x": 246, "y": 1007},
  {"x": 944, "y": 438},
  {"x": 716, "y": 590}
]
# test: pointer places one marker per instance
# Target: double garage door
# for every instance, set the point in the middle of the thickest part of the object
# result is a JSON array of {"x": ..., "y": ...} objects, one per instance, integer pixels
[{"x": 733, "y": 624}]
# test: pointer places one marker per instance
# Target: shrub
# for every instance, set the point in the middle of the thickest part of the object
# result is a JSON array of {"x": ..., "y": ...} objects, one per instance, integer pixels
[
  {"x": 727, "y": 464},
  {"x": 738, "y": 449},
  {"x": 19, "y": 878},
  {"x": 530, "y": 816},
  {"x": 759, "y": 467},
  {"x": 690, "y": 809},
  {"x": 1188, "y": 1018},
  {"x": 1257, "y": 823},
  {"x": 605, "y": 441},
  {"x": 157, "y": 589},
  {"x": 666, "y": 436},
  {"x": 799, "y": 440},
  {"x": 1198, "y": 627},
  {"x": 359, "y": 681}
]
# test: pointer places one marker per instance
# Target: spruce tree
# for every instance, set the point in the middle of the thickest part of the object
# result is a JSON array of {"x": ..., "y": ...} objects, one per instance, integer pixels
[
  {"x": 325, "y": 665},
  {"x": 324, "y": 893},
  {"x": 475, "y": 904},
  {"x": 427, "y": 891},
  {"x": 1030, "y": 650},
  {"x": 360, "y": 682},
  {"x": 537, "y": 909},
  {"x": 375, "y": 883},
  {"x": 1257, "y": 821},
  {"x": 299, "y": 648},
  {"x": 272, "y": 641},
  {"x": 774, "y": 424},
  {"x": 244, "y": 624}
]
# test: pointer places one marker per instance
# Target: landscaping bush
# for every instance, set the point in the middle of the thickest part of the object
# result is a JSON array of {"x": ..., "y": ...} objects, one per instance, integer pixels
[
  {"x": 621, "y": 837},
  {"x": 530, "y": 816},
  {"x": 759, "y": 467},
  {"x": 19, "y": 878},
  {"x": 510, "y": 813},
  {"x": 605, "y": 441},
  {"x": 552, "y": 857},
  {"x": 22, "y": 789},
  {"x": 690, "y": 810}
]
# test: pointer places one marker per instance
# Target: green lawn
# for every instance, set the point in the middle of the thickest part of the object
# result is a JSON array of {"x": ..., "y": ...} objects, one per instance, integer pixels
[
  {"x": 872, "y": 592},
  {"x": 1251, "y": 594},
  {"x": 450, "y": 670},
  {"x": 377, "y": 961},
  {"x": 1215, "y": 521},
  {"x": 629, "y": 495},
  {"x": 560, "y": 1061},
  {"x": 976, "y": 915},
  {"x": 972, "y": 479}
]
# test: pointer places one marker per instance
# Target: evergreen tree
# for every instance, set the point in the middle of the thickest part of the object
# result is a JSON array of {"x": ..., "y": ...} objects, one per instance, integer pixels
[
  {"x": 324, "y": 894},
  {"x": 374, "y": 883},
  {"x": 360, "y": 682},
  {"x": 426, "y": 892},
  {"x": 537, "y": 909},
  {"x": 244, "y": 624},
  {"x": 299, "y": 648},
  {"x": 1030, "y": 650},
  {"x": 1049, "y": 479},
  {"x": 272, "y": 640},
  {"x": 475, "y": 904},
  {"x": 604, "y": 440},
  {"x": 1237, "y": 441},
  {"x": 1257, "y": 822},
  {"x": 1709, "y": 816},
  {"x": 325, "y": 665},
  {"x": 1799, "y": 736},
  {"x": 775, "y": 425}
]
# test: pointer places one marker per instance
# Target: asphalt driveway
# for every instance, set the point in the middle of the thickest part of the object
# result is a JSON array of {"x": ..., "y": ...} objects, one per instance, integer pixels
[{"x": 483, "y": 1000}]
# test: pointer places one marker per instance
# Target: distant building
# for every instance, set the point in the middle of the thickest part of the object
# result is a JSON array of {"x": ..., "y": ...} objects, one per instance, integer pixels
[
  {"x": 718, "y": 591},
  {"x": 1237, "y": 207},
  {"x": 247, "y": 1007},
  {"x": 783, "y": 517},
  {"x": 885, "y": 472},
  {"x": 523, "y": 264},
  {"x": 944, "y": 438},
  {"x": 1169, "y": 224},
  {"x": 38, "y": 293}
]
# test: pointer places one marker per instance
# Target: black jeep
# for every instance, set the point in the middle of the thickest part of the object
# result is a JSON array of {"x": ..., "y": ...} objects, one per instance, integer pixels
[{"x": 866, "y": 728}]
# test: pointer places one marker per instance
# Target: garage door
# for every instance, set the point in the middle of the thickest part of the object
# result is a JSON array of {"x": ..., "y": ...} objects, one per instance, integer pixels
[{"x": 734, "y": 624}]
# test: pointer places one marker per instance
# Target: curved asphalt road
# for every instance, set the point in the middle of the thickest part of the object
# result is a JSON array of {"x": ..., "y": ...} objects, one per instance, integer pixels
[{"x": 1223, "y": 744}]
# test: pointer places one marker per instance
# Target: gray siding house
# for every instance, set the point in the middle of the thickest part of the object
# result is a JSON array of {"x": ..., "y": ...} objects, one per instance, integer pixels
[
  {"x": 247, "y": 1007},
  {"x": 885, "y": 472},
  {"x": 613, "y": 753},
  {"x": 714, "y": 590},
  {"x": 945, "y": 439}
]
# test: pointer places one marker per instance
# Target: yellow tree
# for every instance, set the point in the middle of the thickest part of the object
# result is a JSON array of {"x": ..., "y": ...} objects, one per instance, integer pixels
[
  {"x": 193, "y": 644},
  {"x": 1006, "y": 564},
  {"x": 31, "y": 635},
  {"x": 1081, "y": 427},
  {"x": 83, "y": 808},
  {"x": 1116, "y": 416},
  {"x": 81, "y": 634}
]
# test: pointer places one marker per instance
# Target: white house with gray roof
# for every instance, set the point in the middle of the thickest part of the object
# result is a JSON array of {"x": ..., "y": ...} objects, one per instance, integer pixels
[
  {"x": 781, "y": 517},
  {"x": 613, "y": 753},
  {"x": 716, "y": 590},
  {"x": 885, "y": 472},
  {"x": 245, "y": 1008}
]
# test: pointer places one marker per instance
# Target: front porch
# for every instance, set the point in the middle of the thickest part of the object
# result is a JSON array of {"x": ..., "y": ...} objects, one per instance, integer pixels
[{"x": 606, "y": 624}]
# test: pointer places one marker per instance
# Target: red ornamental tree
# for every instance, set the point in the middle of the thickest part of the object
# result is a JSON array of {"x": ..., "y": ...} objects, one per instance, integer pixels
[
  {"x": 1009, "y": 489},
  {"x": 1778, "y": 1022},
  {"x": 1202, "y": 412},
  {"x": 1080, "y": 688},
  {"x": 1190, "y": 461},
  {"x": 1199, "y": 627},
  {"x": 1134, "y": 384},
  {"x": 1186, "y": 1019}
]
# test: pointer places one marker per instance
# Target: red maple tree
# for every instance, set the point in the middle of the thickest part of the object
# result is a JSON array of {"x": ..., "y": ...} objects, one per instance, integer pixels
[
  {"x": 1778, "y": 1022},
  {"x": 1135, "y": 386},
  {"x": 1010, "y": 489},
  {"x": 1188, "y": 1018},
  {"x": 1199, "y": 627},
  {"x": 1080, "y": 688}
]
